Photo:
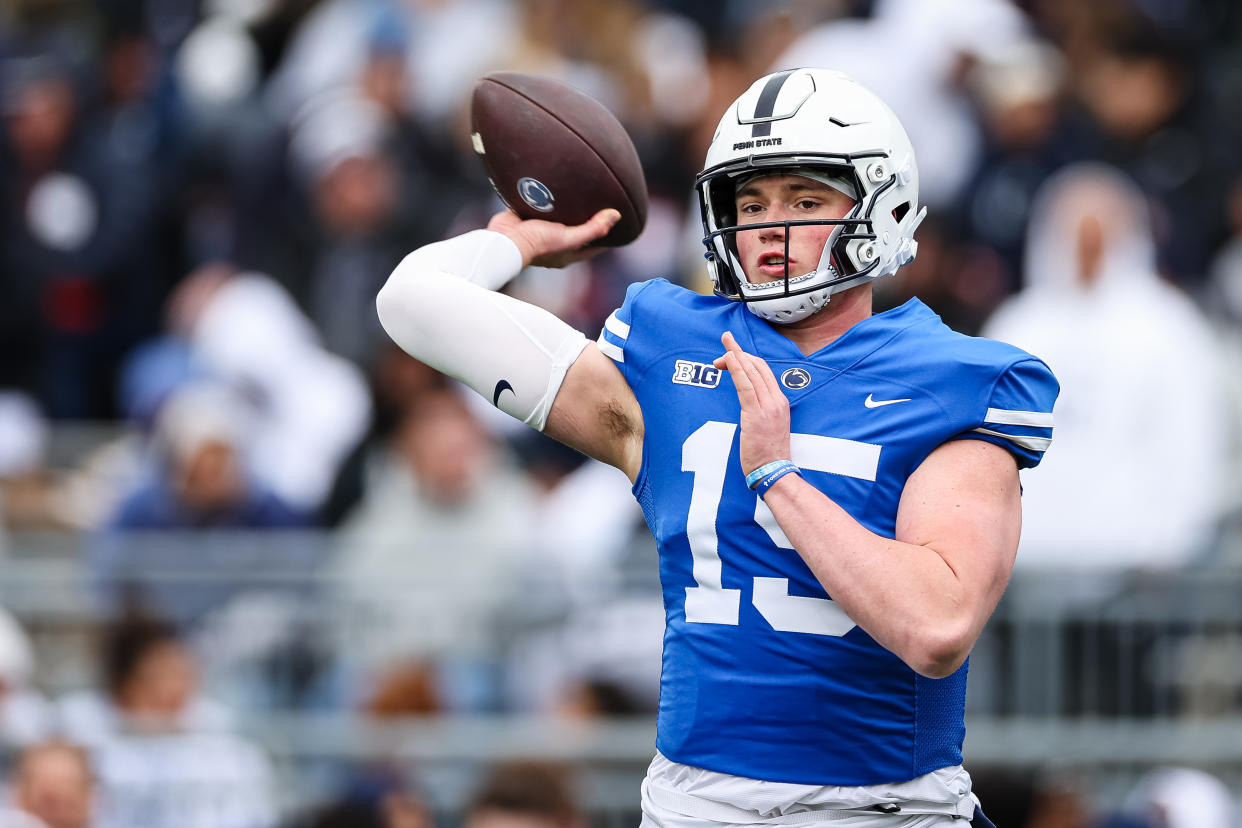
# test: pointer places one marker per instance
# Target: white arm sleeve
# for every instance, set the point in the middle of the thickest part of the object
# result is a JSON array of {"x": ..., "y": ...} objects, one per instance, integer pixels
[{"x": 438, "y": 305}]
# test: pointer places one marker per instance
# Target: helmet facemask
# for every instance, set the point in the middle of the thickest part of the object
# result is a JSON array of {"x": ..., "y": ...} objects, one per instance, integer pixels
[{"x": 842, "y": 262}]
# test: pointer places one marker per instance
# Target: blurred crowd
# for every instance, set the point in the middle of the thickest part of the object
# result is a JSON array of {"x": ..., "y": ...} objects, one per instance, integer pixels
[{"x": 199, "y": 200}]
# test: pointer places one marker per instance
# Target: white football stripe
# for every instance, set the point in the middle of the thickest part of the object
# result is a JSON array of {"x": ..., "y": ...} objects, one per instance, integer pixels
[
  {"x": 616, "y": 327},
  {"x": 1003, "y": 416},
  {"x": 617, "y": 353},
  {"x": 1032, "y": 443}
]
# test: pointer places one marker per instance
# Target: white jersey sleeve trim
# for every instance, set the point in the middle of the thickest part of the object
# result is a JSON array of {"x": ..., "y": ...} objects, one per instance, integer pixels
[
  {"x": 1030, "y": 443},
  {"x": 609, "y": 350},
  {"x": 1003, "y": 416},
  {"x": 616, "y": 327}
]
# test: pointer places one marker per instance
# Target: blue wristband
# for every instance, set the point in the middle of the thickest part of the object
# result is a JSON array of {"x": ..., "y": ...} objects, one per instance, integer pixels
[
  {"x": 752, "y": 479},
  {"x": 766, "y": 483}
]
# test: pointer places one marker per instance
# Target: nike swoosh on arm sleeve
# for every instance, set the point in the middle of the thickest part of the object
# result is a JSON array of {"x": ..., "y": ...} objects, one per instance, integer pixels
[{"x": 460, "y": 327}]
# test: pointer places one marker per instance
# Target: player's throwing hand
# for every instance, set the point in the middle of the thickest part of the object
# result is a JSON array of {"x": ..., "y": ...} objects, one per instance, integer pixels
[{"x": 550, "y": 243}]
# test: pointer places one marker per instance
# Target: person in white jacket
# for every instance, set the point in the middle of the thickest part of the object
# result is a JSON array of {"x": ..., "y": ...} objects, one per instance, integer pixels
[{"x": 1142, "y": 421}]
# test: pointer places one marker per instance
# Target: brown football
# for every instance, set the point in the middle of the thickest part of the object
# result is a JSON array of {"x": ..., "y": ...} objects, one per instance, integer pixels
[{"x": 555, "y": 153}]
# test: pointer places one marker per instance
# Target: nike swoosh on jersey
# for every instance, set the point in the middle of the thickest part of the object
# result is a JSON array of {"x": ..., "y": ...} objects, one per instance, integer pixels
[
  {"x": 870, "y": 403},
  {"x": 501, "y": 387}
]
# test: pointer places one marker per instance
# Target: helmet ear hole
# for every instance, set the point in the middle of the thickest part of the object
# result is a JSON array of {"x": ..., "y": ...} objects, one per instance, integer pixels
[{"x": 900, "y": 211}]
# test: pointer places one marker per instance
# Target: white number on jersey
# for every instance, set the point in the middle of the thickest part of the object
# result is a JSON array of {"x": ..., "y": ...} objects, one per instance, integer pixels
[{"x": 705, "y": 453}]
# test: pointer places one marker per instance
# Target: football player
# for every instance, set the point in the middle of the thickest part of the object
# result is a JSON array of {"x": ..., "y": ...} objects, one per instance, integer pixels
[{"x": 834, "y": 493}]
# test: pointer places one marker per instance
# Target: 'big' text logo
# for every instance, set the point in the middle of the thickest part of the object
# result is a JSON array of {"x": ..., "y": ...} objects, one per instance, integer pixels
[{"x": 696, "y": 373}]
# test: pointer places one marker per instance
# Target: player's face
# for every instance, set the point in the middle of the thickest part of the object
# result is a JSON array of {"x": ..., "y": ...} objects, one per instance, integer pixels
[{"x": 785, "y": 198}]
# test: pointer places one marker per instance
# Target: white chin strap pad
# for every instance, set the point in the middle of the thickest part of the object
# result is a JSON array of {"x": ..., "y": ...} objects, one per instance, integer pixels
[
  {"x": 438, "y": 305},
  {"x": 785, "y": 310}
]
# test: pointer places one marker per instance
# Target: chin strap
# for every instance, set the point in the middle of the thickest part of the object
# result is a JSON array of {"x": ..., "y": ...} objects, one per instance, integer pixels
[{"x": 909, "y": 247}]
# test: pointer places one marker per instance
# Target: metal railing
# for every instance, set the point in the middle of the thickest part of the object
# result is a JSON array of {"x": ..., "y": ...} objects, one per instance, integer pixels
[{"x": 1136, "y": 670}]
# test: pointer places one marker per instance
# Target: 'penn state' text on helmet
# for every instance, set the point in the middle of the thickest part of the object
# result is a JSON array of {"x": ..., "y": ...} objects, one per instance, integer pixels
[{"x": 820, "y": 123}]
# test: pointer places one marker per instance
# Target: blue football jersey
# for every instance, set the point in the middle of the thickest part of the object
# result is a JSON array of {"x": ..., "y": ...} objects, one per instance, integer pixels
[{"x": 763, "y": 675}]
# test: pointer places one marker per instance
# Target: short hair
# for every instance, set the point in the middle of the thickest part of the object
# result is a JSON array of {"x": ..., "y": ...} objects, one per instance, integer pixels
[
  {"x": 127, "y": 642},
  {"x": 527, "y": 788}
]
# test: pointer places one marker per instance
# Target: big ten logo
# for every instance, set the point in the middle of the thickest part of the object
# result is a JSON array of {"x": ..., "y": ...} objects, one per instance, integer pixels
[{"x": 696, "y": 373}]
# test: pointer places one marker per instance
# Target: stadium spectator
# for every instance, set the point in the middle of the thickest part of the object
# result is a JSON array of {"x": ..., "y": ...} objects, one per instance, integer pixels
[
  {"x": 602, "y": 659},
  {"x": 524, "y": 795},
  {"x": 1138, "y": 88},
  {"x": 1131, "y": 351},
  {"x": 331, "y": 46},
  {"x": 27, "y": 492},
  {"x": 354, "y": 221},
  {"x": 1036, "y": 798},
  {"x": 396, "y": 380},
  {"x": 447, "y": 518},
  {"x": 390, "y": 810},
  {"x": 376, "y": 796},
  {"x": 1018, "y": 93},
  {"x": 80, "y": 217},
  {"x": 202, "y": 434},
  {"x": 165, "y": 755},
  {"x": 150, "y": 683},
  {"x": 311, "y": 406},
  {"x": 25, "y": 715},
  {"x": 1223, "y": 298},
  {"x": 54, "y": 783},
  {"x": 203, "y": 482},
  {"x": 924, "y": 87},
  {"x": 1180, "y": 797}
]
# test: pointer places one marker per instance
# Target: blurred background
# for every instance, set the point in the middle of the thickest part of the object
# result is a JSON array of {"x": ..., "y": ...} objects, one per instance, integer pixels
[{"x": 260, "y": 568}]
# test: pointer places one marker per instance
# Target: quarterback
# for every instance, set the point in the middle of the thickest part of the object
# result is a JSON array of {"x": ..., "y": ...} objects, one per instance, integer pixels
[{"x": 834, "y": 493}]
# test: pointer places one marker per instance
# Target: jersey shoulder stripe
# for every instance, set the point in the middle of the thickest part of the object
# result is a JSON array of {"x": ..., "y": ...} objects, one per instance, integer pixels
[
  {"x": 615, "y": 352},
  {"x": 615, "y": 337},
  {"x": 616, "y": 327},
  {"x": 1019, "y": 412},
  {"x": 1039, "y": 444},
  {"x": 1002, "y": 416}
]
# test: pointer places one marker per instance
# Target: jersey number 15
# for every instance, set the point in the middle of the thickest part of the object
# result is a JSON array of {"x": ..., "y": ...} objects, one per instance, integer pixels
[{"x": 705, "y": 454}]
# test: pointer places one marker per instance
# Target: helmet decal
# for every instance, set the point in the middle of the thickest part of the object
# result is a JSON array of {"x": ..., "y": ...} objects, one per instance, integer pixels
[{"x": 767, "y": 102}]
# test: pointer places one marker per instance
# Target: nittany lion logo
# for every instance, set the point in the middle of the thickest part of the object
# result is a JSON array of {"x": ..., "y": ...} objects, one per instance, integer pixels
[
  {"x": 535, "y": 193},
  {"x": 795, "y": 378}
]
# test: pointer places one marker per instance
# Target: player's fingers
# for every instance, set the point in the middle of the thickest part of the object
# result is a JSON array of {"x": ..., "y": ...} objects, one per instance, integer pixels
[
  {"x": 596, "y": 227},
  {"x": 730, "y": 345},
  {"x": 769, "y": 378},
  {"x": 753, "y": 366},
  {"x": 761, "y": 370},
  {"x": 741, "y": 381}
]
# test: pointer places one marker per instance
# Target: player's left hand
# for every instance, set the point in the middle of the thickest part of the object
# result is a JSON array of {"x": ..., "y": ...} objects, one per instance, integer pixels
[{"x": 765, "y": 408}]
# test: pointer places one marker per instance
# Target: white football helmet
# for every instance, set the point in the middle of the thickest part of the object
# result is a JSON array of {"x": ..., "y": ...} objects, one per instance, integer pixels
[{"x": 820, "y": 123}]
